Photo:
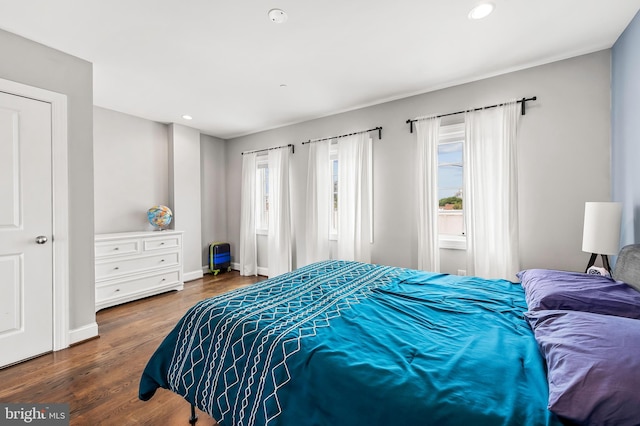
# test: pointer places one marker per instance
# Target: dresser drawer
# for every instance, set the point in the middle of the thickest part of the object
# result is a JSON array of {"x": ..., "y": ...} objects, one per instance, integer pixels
[
  {"x": 118, "y": 267},
  {"x": 117, "y": 248},
  {"x": 161, "y": 243},
  {"x": 132, "y": 265},
  {"x": 131, "y": 286}
]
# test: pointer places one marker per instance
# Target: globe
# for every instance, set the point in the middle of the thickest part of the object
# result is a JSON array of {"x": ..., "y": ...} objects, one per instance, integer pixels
[{"x": 159, "y": 216}]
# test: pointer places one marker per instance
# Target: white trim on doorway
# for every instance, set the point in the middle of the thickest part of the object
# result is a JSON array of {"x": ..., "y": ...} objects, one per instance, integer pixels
[{"x": 60, "y": 190}]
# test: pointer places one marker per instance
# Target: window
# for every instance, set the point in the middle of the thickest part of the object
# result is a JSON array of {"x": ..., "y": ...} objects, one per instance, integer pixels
[
  {"x": 333, "y": 219},
  {"x": 450, "y": 183},
  {"x": 262, "y": 195}
]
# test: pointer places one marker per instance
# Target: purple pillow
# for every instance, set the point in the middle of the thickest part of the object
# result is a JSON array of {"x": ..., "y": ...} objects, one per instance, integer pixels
[
  {"x": 575, "y": 291},
  {"x": 593, "y": 364}
]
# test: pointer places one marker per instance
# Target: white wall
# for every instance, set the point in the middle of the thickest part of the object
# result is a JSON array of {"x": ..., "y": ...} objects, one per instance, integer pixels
[
  {"x": 564, "y": 160},
  {"x": 214, "y": 193},
  {"x": 34, "y": 64},
  {"x": 184, "y": 195},
  {"x": 131, "y": 170}
]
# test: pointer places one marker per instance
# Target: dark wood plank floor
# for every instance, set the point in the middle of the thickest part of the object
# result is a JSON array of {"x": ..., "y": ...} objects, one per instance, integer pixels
[{"x": 99, "y": 378}]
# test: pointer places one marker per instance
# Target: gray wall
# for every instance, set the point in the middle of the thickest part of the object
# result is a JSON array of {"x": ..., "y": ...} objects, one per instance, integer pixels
[
  {"x": 133, "y": 172},
  {"x": 625, "y": 123},
  {"x": 564, "y": 160},
  {"x": 184, "y": 194},
  {"x": 30, "y": 63},
  {"x": 214, "y": 192},
  {"x": 130, "y": 170}
]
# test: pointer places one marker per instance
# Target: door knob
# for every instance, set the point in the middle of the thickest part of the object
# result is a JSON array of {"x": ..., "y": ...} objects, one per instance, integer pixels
[{"x": 41, "y": 239}]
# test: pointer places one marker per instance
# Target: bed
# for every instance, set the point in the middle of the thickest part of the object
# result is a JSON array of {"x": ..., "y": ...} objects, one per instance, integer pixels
[{"x": 348, "y": 343}]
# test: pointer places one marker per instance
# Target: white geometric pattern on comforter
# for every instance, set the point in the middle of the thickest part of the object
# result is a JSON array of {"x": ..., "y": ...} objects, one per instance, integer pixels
[{"x": 241, "y": 340}]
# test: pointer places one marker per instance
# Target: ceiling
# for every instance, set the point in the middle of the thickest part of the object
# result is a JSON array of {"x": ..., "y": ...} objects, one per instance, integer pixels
[{"x": 223, "y": 62}]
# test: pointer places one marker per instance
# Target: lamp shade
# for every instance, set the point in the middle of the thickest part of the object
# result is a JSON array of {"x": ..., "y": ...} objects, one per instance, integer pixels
[{"x": 601, "y": 233}]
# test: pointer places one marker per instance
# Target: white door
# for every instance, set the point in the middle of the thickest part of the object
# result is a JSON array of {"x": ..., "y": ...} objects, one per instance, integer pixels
[{"x": 26, "y": 249}]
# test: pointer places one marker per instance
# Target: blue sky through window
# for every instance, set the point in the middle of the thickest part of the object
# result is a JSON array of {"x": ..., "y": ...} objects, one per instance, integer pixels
[{"x": 449, "y": 169}]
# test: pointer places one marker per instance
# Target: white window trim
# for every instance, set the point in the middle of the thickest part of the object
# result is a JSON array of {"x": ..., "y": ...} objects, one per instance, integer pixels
[
  {"x": 261, "y": 161},
  {"x": 453, "y": 242},
  {"x": 452, "y": 133},
  {"x": 333, "y": 155}
]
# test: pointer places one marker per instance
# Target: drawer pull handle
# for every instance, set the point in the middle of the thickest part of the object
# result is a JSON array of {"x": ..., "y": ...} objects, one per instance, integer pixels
[
  {"x": 162, "y": 243},
  {"x": 164, "y": 279},
  {"x": 117, "y": 289},
  {"x": 162, "y": 260},
  {"x": 116, "y": 248},
  {"x": 117, "y": 267}
]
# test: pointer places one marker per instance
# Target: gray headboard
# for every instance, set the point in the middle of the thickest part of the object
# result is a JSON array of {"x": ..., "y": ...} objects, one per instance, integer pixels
[{"x": 627, "y": 267}]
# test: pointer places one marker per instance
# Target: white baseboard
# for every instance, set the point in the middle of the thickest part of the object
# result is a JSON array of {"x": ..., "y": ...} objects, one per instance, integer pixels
[
  {"x": 193, "y": 275},
  {"x": 83, "y": 333},
  {"x": 261, "y": 270}
]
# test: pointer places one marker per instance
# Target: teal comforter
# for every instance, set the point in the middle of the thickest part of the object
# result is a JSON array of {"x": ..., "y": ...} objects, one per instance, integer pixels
[{"x": 346, "y": 343}]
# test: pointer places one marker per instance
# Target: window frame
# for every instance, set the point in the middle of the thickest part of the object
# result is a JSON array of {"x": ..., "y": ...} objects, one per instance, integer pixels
[
  {"x": 333, "y": 212},
  {"x": 453, "y": 132},
  {"x": 262, "y": 186}
]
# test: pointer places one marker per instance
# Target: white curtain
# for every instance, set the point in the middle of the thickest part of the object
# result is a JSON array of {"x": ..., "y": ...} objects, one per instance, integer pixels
[
  {"x": 318, "y": 203},
  {"x": 355, "y": 214},
  {"x": 427, "y": 196},
  {"x": 248, "y": 248},
  {"x": 491, "y": 192},
  {"x": 280, "y": 231}
]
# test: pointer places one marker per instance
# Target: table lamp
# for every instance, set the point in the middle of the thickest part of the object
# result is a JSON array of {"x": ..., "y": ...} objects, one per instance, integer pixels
[{"x": 601, "y": 233}]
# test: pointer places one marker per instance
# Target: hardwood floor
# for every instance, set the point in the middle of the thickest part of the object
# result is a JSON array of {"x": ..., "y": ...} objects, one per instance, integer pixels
[{"x": 99, "y": 378}]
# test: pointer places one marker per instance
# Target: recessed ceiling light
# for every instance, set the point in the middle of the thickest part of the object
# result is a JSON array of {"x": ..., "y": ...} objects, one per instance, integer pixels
[
  {"x": 278, "y": 16},
  {"x": 187, "y": 117},
  {"x": 481, "y": 11}
]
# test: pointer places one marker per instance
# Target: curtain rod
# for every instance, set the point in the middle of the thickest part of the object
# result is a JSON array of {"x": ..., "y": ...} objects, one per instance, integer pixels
[
  {"x": 522, "y": 101},
  {"x": 293, "y": 149},
  {"x": 379, "y": 129}
]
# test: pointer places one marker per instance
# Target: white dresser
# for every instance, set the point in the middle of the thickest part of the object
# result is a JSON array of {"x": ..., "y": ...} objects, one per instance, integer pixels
[{"x": 133, "y": 265}]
